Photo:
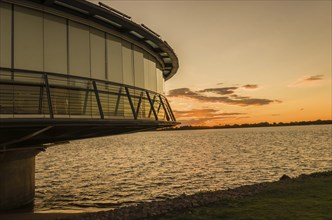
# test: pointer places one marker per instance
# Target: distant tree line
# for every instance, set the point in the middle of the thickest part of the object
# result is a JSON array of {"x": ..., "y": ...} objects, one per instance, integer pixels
[{"x": 261, "y": 124}]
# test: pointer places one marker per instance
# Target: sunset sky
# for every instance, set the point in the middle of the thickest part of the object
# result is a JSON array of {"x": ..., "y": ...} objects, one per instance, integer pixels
[{"x": 244, "y": 61}]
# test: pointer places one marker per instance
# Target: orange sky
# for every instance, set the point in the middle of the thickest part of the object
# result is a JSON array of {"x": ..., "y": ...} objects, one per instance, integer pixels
[{"x": 244, "y": 61}]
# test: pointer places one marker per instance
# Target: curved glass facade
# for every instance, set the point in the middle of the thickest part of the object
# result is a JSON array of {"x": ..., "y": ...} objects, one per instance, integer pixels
[
  {"x": 34, "y": 40},
  {"x": 77, "y": 60}
]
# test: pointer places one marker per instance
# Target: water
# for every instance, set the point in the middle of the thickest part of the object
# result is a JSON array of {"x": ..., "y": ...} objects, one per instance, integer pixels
[{"x": 104, "y": 173}]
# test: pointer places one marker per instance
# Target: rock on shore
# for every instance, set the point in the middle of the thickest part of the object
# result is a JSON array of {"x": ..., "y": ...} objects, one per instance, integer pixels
[{"x": 184, "y": 202}]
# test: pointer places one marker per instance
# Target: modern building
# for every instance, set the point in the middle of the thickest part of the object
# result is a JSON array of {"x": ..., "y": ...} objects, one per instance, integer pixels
[{"x": 70, "y": 69}]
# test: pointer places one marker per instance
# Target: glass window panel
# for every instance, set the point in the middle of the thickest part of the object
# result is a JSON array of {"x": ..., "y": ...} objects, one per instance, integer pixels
[
  {"x": 139, "y": 67},
  {"x": 28, "y": 39},
  {"x": 115, "y": 74},
  {"x": 160, "y": 81},
  {"x": 55, "y": 44},
  {"x": 139, "y": 79},
  {"x": 146, "y": 71},
  {"x": 98, "y": 56},
  {"x": 152, "y": 74},
  {"x": 5, "y": 34},
  {"x": 79, "y": 49},
  {"x": 127, "y": 58},
  {"x": 114, "y": 59}
]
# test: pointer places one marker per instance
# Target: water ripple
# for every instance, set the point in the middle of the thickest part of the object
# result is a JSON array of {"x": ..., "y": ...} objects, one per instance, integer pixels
[{"x": 110, "y": 172}]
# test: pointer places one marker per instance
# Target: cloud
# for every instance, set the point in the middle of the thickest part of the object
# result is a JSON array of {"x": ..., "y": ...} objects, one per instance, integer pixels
[
  {"x": 205, "y": 116},
  {"x": 181, "y": 92},
  {"x": 314, "y": 78},
  {"x": 228, "y": 90},
  {"x": 201, "y": 121},
  {"x": 238, "y": 97},
  {"x": 195, "y": 122},
  {"x": 308, "y": 81},
  {"x": 196, "y": 112},
  {"x": 204, "y": 113},
  {"x": 221, "y": 91},
  {"x": 250, "y": 86},
  {"x": 233, "y": 113},
  {"x": 232, "y": 99}
]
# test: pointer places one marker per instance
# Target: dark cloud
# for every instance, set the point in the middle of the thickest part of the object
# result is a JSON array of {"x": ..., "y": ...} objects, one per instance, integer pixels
[
  {"x": 206, "y": 113},
  {"x": 221, "y": 91},
  {"x": 181, "y": 92},
  {"x": 196, "y": 113},
  {"x": 314, "y": 78},
  {"x": 233, "y": 99},
  {"x": 250, "y": 86},
  {"x": 233, "y": 113},
  {"x": 308, "y": 81},
  {"x": 239, "y": 97},
  {"x": 205, "y": 116},
  {"x": 201, "y": 121}
]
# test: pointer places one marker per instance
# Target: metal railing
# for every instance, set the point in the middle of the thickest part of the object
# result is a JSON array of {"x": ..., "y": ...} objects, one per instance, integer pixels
[{"x": 33, "y": 94}]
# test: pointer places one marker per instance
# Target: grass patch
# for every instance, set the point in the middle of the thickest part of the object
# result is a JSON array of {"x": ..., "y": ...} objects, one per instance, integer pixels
[{"x": 300, "y": 198}]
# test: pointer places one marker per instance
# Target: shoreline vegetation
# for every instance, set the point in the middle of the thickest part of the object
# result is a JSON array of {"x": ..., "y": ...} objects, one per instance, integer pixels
[
  {"x": 261, "y": 124},
  {"x": 303, "y": 197}
]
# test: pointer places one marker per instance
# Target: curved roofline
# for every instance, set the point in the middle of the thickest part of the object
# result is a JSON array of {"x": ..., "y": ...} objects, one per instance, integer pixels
[{"x": 120, "y": 22}]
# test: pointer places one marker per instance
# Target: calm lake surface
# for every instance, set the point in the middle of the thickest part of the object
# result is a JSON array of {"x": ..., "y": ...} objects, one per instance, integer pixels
[{"x": 104, "y": 173}]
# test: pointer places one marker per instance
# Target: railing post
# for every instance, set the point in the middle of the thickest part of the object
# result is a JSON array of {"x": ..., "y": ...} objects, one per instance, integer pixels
[
  {"x": 162, "y": 103},
  {"x": 159, "y": 106},
  {"x": 153, "y": 101},
  {"x": 49, "y": 100},
  {"x": 139, "y": 103},
  {"x": 131, "y": 103},
  {"x": 118, "y": 101},
  {"x": 158, "y": 110},
  {"x": 152, "y": 107},
  {"x": 41, "y": 95},
  {"x": 98, "y": 99},
  {"x": 86, "y": 98},
  {"x": 170, "y": 110}
]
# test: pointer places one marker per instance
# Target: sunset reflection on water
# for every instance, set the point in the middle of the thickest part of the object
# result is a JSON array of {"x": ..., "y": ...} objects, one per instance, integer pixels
[{"x": 104, "y": 173}]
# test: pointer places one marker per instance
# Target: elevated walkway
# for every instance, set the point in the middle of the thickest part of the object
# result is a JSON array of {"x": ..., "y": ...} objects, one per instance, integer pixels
[{"x": 39, "y": 108}]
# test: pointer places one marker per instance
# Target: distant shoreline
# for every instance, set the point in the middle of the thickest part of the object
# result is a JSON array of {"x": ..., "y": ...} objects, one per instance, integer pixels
[{"x": 257, "y": 125}]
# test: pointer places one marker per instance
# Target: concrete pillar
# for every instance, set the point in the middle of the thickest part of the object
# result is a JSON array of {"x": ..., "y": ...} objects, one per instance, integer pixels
[{"x": 17, "y": 178}]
